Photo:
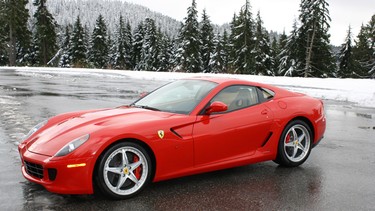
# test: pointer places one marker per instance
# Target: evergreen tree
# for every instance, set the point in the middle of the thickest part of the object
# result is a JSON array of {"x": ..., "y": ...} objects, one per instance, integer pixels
[
  {"x": 138, "y": 45},
  {"x": 65, "y": 57},
  {"x": 3, "y": 35},
  {"x": 318, "y": 60},
  {"x": 277, "y": 48},
  {"x": 45, "y": 35},
  {"x": 15, "y": 36},
  {"x": 291, "y": 55},
  {"x": 189, "y": 51},
  {"x": 77, "y": 51},
  {"x": 370, "y": 28},
  {"x": 362, "y": 52},
  {"x": 243, "y": 41},
  {"x": 218, "y": 57},
  {"x": 263, "y": 59},
  {"x": 206, "y": 41},
  {"x": 111, "y": 51},
  {"x": 166, "y": 54},
  {"x": 225, "y": 52},
  {"x": 123, "y": 56},
  {"x": 346, "y": 63},
  {"x": 98, "y": 54},
  {"x": 150, "y": 49}
]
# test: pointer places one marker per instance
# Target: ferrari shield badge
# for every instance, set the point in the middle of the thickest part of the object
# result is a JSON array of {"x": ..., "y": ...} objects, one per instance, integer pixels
[{"x": 161, "y": 134}]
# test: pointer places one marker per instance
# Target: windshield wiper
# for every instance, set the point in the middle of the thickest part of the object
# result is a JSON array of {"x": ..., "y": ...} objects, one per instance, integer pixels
[{"x": 145, "y": 107}]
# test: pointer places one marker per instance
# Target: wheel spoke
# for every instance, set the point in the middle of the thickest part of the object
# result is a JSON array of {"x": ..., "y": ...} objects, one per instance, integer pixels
[
  {"x": 124, "y": 158},
  {"x": 300, "y": 139},
  {"x": 135, "y": 165},
  {"x": 133, "y": 178},
  {"x": 120, "y": 182},
  {"x": 295, "y": 136},
  {"x": 301, "y": 147},
  {"x": 289, "y": 144},
  {"x": 115, "y": 170},
  {"x": 295, "y": 152}
]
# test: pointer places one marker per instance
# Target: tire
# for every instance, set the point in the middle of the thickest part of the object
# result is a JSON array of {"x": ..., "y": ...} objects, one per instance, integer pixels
[
  {"x": 121, "y": 177},
  {"x": 295, "y": 144}
]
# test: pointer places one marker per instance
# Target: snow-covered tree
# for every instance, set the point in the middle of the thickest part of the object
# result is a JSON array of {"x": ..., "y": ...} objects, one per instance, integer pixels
[
  {"x": 45, "y": 37},
  {"x": 217, "y": 61},
  {"x": 291, "y": 54},
  {"x": 189, "y": 51},
  {"x": 3, "y": 35},
  {"x": 138, "y": 45},
  {"x": 98, "y": 53},
  {"x": 263, "y": 59},
  {"x": 151, "y": 48},
  {"x": 226, "y": 51},
  {"x": 77, "y": 50},
  {"x": 371, "y": 32},
  {"x": 65, "y": 57},
  {"x": 313, "y": 32},
  {"x": 123, "y": 56},
  {"x": 165, "y": 56},
  {"x": 364, "y": 51},
  {"x": 206, "y": 41},
  {"x": 346, "y": 63},
  {"x": 243, "y": 42},
  {"x": 16, "y": 37},
  {"x": 111, "y": 51}
]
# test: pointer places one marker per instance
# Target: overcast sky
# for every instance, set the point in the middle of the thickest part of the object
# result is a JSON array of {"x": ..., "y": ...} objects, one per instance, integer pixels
[{"x": 277, "y": 15}]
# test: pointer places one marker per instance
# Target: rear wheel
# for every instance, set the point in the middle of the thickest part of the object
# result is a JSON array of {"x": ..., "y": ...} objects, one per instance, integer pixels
[
  {"x": 124, "y": 170},
  {"x": 294, "y": 144}
]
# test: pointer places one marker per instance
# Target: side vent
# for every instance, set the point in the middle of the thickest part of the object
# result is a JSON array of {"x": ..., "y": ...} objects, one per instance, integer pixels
[
  {"x": 267, "y": 139},
  {"x": 174, "y": 132}
]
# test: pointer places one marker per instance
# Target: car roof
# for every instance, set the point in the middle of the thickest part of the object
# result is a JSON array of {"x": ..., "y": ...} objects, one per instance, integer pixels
[
  {"x": 221, "y": 80},
  {"x": 280, "y": 92}
]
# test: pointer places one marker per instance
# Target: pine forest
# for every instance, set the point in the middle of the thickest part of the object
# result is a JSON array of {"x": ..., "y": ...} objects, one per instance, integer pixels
[{"x": 31, "y": 34}]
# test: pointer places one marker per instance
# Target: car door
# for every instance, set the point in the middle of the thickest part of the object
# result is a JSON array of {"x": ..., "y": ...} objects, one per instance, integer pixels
[{"x": 235, "y": 133}]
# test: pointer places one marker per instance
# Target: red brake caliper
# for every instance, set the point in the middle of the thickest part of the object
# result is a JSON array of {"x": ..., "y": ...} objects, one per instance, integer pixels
[
  {"x": 288, "y": 138},
  {"x": 137, "y": 171}
]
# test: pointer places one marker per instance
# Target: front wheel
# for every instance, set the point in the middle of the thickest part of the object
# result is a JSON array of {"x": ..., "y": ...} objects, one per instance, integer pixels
[
  {"x": 124, "y": 170},
  {"x": 294, "y": 144}
]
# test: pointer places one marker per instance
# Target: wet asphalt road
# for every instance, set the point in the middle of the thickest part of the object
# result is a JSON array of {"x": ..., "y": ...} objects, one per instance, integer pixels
[{"x": 339, "y": 174}]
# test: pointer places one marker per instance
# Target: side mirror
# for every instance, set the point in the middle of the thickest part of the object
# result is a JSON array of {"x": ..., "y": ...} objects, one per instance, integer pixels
[
  {"x": 215, "y": 107},
  {"x": 143, "y": 94}
]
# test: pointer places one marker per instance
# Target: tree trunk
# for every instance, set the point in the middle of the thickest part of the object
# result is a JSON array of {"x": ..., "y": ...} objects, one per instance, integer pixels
[
  {"x": 309, "y": 52},
  {"x": 12, "y": 47}
]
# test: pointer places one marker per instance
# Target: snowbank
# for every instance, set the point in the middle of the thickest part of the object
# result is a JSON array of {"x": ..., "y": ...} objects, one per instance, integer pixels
[{"x": 359, "y": 91}]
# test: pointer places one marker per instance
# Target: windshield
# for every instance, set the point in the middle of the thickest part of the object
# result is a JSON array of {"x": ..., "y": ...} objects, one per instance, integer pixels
[{"x": 180, "y": 97}]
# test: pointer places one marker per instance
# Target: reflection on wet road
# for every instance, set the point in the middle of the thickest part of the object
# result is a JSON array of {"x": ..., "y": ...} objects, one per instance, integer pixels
[{"x": 337, "y": 176}]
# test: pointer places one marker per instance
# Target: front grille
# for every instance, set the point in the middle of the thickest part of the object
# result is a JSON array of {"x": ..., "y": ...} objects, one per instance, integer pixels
[{"x": 34, "y": 169}]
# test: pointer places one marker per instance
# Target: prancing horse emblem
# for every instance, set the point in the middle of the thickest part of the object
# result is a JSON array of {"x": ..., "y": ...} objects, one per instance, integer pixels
[{"x": 161, "y": 134}]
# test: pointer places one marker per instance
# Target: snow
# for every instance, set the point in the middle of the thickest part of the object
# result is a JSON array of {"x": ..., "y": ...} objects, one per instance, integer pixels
[{"x": 358, "y": 91}]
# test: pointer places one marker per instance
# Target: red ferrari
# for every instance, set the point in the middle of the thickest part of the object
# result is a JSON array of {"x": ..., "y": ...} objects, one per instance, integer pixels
[{"x": 186, "y": 127}]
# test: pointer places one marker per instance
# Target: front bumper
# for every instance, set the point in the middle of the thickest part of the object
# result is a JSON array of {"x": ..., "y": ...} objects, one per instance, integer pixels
[{"x": 55, "y": 175}]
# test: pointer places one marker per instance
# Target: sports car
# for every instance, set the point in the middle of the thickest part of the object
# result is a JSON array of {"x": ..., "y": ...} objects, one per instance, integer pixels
[{"x": 185, "y": 127}]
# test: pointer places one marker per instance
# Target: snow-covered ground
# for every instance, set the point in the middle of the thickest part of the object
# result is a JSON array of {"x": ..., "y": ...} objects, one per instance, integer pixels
[{"x": 359, "y": 91}]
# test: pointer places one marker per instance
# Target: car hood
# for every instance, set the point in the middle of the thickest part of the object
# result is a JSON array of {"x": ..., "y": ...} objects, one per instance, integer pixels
[{"x": 56, "y": 135}]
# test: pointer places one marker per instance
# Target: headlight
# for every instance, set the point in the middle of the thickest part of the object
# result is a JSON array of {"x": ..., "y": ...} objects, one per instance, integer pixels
[
  {"x": 34, "y": 129},
  {"x": 71, "y": 146}
]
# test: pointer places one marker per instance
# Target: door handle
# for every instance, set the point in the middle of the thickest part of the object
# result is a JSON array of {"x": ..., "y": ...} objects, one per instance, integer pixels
[{"x": 264, "y": 112}]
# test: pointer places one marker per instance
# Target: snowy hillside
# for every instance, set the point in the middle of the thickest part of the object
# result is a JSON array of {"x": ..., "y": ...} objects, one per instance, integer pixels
[
  {"x": 66, "y": 11},
  {"x": 361, "y": 92}
]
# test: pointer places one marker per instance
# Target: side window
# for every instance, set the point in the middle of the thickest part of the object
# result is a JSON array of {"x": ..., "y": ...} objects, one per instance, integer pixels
[
  {"x": 237, "y": 97},
  {"x": 265, "y": 94}
]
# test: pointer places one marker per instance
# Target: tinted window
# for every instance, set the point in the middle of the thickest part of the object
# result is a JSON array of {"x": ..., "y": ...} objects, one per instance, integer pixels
[{"x": 237, "y": 97}]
